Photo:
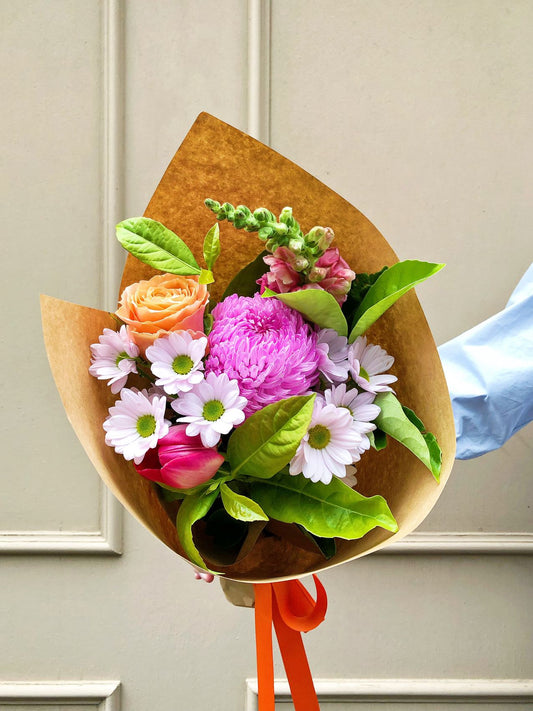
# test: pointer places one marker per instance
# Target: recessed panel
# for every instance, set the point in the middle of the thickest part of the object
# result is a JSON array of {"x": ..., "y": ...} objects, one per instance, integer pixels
[{"x": 52, "y": 59}]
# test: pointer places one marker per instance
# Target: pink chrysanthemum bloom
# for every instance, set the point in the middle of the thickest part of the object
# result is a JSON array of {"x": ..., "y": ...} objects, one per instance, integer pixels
[{"x": 265, "y": 346}]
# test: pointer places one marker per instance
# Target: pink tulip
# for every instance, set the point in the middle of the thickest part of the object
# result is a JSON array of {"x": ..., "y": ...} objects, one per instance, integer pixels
[{"x": 180, "y": 461}]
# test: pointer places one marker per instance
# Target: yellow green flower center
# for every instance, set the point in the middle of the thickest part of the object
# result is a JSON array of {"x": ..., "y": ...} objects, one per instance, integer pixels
[
  {"x": 146, "y": 425},
  {"x": 121, "y": 356},
  {"x": 363, "y": 373},
  {"x": 182, "y": 364},
  {"x": 319, "y": 437},
  {"x": 213, "y": 410}
]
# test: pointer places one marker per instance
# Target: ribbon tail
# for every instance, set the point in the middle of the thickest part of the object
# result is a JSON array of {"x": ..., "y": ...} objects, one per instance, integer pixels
[
  {"x": 296, "y": 665},
  {"x": 263, "y": 643}
]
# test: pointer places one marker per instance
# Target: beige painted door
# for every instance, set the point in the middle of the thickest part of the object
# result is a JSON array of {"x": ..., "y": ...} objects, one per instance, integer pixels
[{"x": 417, "y": 111}]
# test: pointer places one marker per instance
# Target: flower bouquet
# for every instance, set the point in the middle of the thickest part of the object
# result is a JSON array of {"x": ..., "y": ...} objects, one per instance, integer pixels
[{"x": 252, "y": 401}]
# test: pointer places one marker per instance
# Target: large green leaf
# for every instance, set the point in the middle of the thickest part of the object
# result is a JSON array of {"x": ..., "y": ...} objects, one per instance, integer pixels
[
  {"x": 244, "y": 283},
  {"x": 389, "y": 287},
  {"x": 192, "y": 509},
  {"x": 435, "y": 452},
  {"x": 212, "y": 246},
  {"x": 395, "y": 422},
  {"x": 268, "y": 439},
  {"x": 317, "y": 306},
  {"x": 325, "y": 510},
  {"x": 241, "y": 507},
  {"x": 153, "y": 244}
]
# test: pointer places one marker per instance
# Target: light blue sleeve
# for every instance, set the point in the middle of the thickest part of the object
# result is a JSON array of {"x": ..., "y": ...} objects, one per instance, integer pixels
[{"x": 489, "y": 371}]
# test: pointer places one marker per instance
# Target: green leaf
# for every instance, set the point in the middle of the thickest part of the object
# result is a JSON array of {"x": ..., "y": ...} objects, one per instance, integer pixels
[
  {"x": 241, "y": 507},
  {"x": 378, "y": 439},
  {"x": 208, "y": 323},
  {"x": 244, "y": 283},
  {"x": 206, "y": 277},
  {"x": 268, "y": 439},
  {"x": 317, "y": 306},
  {"x": 212, "y": 246},
  {"x": 435, "y": 452},
  {"x": 326, "y": 546},
  {"x": 389, "y": 287},
  {"x": 228, "y": 533},
  {"x": 360, "y": 285},
  {"x": 413, "y": 417},
  {"x": 192, "y": 509},
  {"x": 153, "y": 244},
  {"x": 393, "y": 421},
  {"x": 172, "y": 494},
  {"x": 325, "y": 510}
]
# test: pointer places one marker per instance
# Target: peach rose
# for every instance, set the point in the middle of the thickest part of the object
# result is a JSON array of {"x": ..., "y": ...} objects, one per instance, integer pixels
[{"x": 166, "y": 302}]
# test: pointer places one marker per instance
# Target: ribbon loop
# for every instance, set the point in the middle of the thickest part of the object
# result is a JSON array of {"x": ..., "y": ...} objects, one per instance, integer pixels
[
  {"x": 296, "y": 606},
  {"x": 290, "y": 607}
]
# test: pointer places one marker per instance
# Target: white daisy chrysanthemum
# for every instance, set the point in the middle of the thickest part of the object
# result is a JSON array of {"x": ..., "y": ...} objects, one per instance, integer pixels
[
  {"x": 135, "y": 423},
  {"x": 177, "y": 361},
  {"x": 113, "y": 358},
  {"x": 361, "y": 406},
  {"x": 212, "y": 408},
  {"x": 368, "y": 364},
  {"x": 333, "y": 350},
  {"x": 332, "y": 443}
]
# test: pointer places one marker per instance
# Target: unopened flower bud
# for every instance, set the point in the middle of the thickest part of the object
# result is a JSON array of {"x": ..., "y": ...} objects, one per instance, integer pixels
[
  {"x": 229, "y": 211},
  {"x": 317, "y": 274},
  {"x": 212, "y": 204},
  {"x": 300, "y": 263},
  {"x": 241, "y": 216},
  {"x": 272, "y": 244},
  {"x": 263, "y": 215},
  {"x": 296, "y": 244},
  {"x": 265, "y": 232},
  {"x": 320, "y": 237}
]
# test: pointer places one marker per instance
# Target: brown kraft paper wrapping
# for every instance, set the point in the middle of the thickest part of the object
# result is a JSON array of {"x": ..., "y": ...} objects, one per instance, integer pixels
[{"x": 220, "y": 162}]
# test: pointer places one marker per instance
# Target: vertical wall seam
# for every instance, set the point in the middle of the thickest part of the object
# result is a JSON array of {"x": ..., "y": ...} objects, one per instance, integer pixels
[{"x": 259, "y": 15}]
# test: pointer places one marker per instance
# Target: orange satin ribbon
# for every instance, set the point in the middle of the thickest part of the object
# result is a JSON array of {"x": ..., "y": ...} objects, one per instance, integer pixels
[{"x": 292, "y": 610}]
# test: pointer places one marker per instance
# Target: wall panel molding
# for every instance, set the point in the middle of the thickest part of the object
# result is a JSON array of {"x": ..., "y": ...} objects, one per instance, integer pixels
[
  {"x": 501, "y": 542},
  {"x": 112, "y": 149},
  {"x": 409, "y": 691},
  {"x": 108, "y": 538},
  {"x": 101, "y": 695},
  {"x": 259, "y": 69}
]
